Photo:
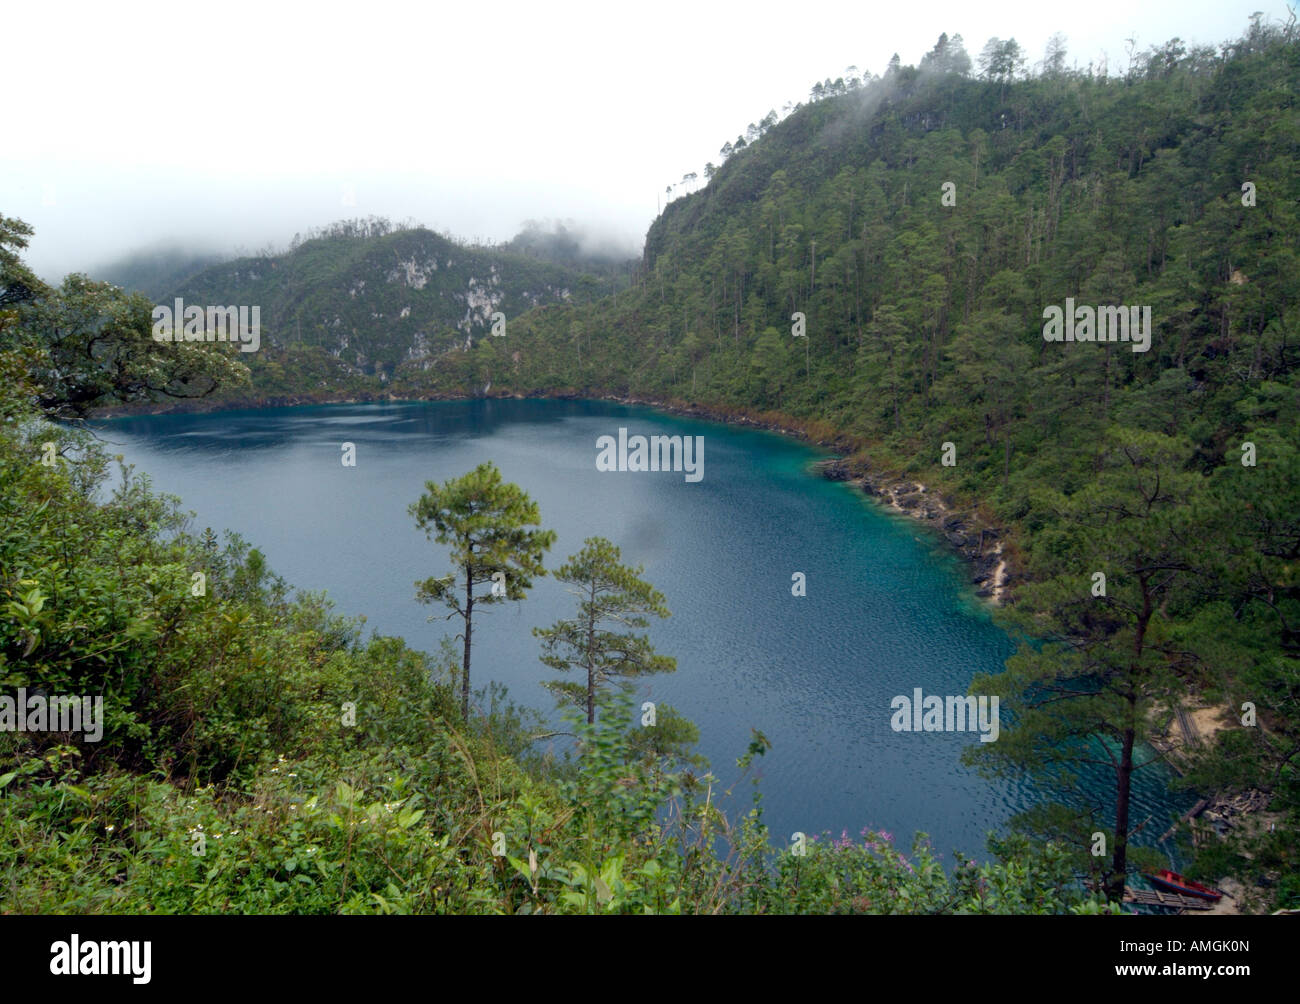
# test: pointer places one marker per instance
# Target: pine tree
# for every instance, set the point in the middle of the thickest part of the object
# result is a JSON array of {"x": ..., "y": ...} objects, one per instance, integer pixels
[
  {"x": 609, "y": 593},
  {"x": 484, "y": 520}
]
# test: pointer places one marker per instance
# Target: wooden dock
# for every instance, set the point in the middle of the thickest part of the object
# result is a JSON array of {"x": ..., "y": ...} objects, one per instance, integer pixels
[
  {"x": 1191, "y": 737},
  {"x": 1168, "y": 900}
]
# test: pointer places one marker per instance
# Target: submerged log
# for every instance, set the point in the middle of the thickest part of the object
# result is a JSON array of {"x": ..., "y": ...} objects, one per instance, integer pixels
[{"x": 1186, "y": 817}]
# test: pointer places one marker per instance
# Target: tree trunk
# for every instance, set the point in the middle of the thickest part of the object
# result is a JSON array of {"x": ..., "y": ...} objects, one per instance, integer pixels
[
  {"x": 469, "y": 613},
  {"x": 591, "y": 659},
  {"x": 1124, "y": 771},
  {"x": 1123, "y": 789}
]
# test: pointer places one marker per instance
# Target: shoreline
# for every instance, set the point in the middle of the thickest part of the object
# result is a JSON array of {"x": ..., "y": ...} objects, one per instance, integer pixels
[
  {"x": 974, "y": 538},
  {"x": 977, "y": 542},
  {"x": 984, "y": 546}
]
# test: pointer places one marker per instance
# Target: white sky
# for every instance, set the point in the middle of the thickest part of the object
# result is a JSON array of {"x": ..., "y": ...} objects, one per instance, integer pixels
[{"x": 240, "y": 123}]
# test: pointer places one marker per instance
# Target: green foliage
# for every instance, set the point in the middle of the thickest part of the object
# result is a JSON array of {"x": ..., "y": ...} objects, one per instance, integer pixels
[
  {"x": 671, "y": 738},
  {"x": 17, "y": 282},
  {"x": 608, "y": 593},
  {"x": 485, "y": 521},
  {"x": 89, "y": 344}
]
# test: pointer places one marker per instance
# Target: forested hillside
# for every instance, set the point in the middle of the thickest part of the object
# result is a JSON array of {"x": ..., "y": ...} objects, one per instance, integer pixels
[
  {"x": 155, "y": 272},
  {"x": 348, "y": 306},
  {"x": 915, "y": 229}
]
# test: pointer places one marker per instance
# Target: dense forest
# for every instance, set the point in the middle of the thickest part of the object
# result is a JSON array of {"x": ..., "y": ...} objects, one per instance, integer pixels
[
  {"x": 874, "y": 269},
  {"x": 350, "y": 304}
]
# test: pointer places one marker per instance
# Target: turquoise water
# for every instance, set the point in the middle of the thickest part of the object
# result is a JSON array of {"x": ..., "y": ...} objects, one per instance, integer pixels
[{"x": 886, "y": 610}]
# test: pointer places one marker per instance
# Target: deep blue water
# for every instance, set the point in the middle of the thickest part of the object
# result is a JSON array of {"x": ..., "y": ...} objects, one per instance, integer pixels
[{"x": 886, "y": 610}]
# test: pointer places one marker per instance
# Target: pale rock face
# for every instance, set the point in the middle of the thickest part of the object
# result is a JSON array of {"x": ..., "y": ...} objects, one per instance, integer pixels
[
  {"x": 412, "y": 274},
  {"x": 419, "y": 346},
  {"x": 480, "y": 302}
]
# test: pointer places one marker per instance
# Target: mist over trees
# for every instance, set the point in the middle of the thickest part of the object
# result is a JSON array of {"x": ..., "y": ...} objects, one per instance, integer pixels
[{"x": 571, "y": 243}]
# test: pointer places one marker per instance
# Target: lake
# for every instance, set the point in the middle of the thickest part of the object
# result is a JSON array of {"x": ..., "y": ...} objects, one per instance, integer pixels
[{"x": 886, "y": 609}]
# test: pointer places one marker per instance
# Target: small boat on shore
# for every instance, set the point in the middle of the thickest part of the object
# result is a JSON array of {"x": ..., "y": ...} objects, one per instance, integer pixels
[{"x": 1173, "y": 882}]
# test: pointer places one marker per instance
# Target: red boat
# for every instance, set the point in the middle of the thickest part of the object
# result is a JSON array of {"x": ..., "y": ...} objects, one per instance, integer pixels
[{"x": 1173, "y": 882}]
